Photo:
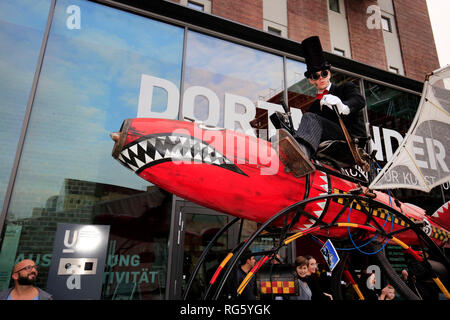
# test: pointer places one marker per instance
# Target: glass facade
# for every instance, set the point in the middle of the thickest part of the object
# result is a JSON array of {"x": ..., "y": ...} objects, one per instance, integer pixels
[
  {"x": 88, "y": 84},
  {"x": 101, "y": 66},
  {"x": 226, "y": 83},
  {"x": 22, "y": 26}
]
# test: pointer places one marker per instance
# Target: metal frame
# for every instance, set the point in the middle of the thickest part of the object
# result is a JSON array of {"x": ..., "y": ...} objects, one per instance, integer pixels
[
  {"x": 321, "y": 225},
  {"x": 26, "y": 120}
]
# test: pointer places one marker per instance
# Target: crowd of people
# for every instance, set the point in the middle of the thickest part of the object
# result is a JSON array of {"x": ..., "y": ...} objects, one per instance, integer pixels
[{"x": 314, "y": 284}]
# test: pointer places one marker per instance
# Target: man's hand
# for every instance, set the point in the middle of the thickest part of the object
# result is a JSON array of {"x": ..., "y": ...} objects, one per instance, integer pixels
[{"x": 330, "y": 100}]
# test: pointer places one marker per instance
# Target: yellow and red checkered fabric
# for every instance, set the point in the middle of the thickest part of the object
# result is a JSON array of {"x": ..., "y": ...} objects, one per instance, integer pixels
[{"x": 277, "y": 287}]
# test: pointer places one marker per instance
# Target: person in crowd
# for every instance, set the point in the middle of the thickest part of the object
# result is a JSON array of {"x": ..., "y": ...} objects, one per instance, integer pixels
[
  {"x": 247, "y": 262},
  {"x": 387, "y": 293},
  {"x": 24, "y": 275},
  {"x": 367, "y": 285},
  {"x": 301, "y": 273},
  {"x": 313, "y": 281}
]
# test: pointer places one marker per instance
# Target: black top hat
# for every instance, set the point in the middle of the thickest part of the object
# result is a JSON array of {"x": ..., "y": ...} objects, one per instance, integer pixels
[{"x": 315, "y": 60}]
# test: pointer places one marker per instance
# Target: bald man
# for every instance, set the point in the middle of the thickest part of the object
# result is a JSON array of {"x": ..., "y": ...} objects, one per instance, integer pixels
[{"x": 25, "y": 275}]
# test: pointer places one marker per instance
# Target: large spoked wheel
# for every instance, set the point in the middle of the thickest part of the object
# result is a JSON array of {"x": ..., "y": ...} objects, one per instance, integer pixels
[{"x": 286, "y": 219}]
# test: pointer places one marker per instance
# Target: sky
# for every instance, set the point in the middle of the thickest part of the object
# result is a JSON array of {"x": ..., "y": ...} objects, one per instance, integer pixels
[{"x": 440, "y": 22}]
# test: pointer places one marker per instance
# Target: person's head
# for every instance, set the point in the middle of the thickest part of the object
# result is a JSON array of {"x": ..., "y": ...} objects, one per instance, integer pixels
[
  {"x": 371, "y": 281},
  {"x": 390, "y": 292},
  {"x": 404, "y": 274},
  {"x": 247, "y": 260},
  {"x": 320, "y": 79},
  {"x": 301, "y": 266},
  {"x": 25, "y": 273},
  {"x": 312, "y": 265},
  {"x": 317, "y": 67}
]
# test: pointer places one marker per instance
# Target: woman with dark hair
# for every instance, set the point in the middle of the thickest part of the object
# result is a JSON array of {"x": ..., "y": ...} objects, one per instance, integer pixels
[
  {"x": 313, "y": 281},
  {"x": 301, "y": 272}
]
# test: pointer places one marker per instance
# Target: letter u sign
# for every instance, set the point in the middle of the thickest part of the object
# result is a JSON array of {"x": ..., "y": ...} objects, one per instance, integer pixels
[{"x": 71, "y": 244}]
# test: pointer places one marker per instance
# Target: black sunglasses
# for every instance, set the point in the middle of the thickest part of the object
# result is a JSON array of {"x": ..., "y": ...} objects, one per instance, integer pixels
[{"x": 316, "y": 76}]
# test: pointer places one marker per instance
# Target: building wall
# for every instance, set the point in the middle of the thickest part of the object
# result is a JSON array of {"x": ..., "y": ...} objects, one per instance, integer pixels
[
  {"x": 275, "y": 15},
  {"x": 391, "y": 41},
  {"x": 414, "y": 44},
  {"x": 339, "y": 30},
  {"x": 249, "y": 12},
  {"x": 416, "y": 39},
  {"x": 308, "y": 18},
  {"x": 367, "y": 45}
]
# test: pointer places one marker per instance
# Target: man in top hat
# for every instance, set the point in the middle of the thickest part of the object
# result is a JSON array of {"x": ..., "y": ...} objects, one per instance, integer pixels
[{"x": 320, "y": 121}]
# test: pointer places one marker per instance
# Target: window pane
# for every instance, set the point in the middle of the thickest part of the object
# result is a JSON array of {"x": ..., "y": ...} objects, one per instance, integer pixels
[
  {"x": 22, "y": 26},
  {"x": 195, "y": 6},
  {"x": 393, "y": 69},
  {"x": 274, "y": 31},
  {"x": 230, "y": 73},
  {"x": 386, "y": 24},
  {"x": 89, "y": 83},
  {"x": 334, "y": 6},
  {"x": 339, "y": 52},
  {"x": 300, "y": 92}
]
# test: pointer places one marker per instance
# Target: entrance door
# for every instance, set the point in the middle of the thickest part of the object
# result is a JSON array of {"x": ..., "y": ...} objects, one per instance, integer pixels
[
  {"x": 196, "y": 226},
  {"x": 192, "y": 229}
]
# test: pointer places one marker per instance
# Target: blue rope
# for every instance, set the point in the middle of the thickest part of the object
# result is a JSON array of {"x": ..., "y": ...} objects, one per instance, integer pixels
[
  {"x": 373, "y": 238},
  {"x": 358, "y": 248}
]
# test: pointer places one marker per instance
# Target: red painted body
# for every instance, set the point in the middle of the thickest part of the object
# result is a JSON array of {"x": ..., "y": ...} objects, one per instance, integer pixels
[{"x": 247, "y": 180}]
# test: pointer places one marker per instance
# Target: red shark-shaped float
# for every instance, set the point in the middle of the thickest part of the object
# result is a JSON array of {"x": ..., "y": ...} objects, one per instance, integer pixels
[{"x": 243, "y": 176}]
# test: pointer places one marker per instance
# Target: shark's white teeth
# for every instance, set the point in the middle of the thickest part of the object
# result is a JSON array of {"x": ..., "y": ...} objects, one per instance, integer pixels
[
  {"x": 134, "y": 149},
  {"x": 158, "y": 156},
  {"x": 321, "y": 204},
  {"x": 143, "y": 145},
  {"x": 170, "y": 147},
  {"x": 125, "y": 154},
  {"x": 198, "y": 157},
  {"x": 139, "y": 162}
]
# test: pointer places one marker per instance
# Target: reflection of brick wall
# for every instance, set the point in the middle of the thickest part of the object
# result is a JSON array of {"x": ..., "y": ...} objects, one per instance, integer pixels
[
  {"x": 249, "y": 12},
  {"x": 416, "y": 38},
  {"x": 308, "y": 18},
  {"x": 367, "y": 45}
]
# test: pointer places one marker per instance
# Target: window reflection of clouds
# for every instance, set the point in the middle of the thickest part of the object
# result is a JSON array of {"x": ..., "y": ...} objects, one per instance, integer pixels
[
  {"x": 225, "y": 67},
  {"x": 89, "y": 84},
  {"x": 22, "y": 24},
  {"x": 296, "y": 80}
]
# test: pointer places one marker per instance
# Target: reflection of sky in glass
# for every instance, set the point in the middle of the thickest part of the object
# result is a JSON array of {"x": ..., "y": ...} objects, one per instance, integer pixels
[
  {"x": 225, "y": 67},
  {"x": 22, "y": 24},
  {"x": 89, "y": 84},
  {"x": 296, "y": 79}
]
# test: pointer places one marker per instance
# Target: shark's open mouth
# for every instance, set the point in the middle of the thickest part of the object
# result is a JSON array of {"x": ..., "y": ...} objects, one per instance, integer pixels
[{"x": 154, "y": 149}]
